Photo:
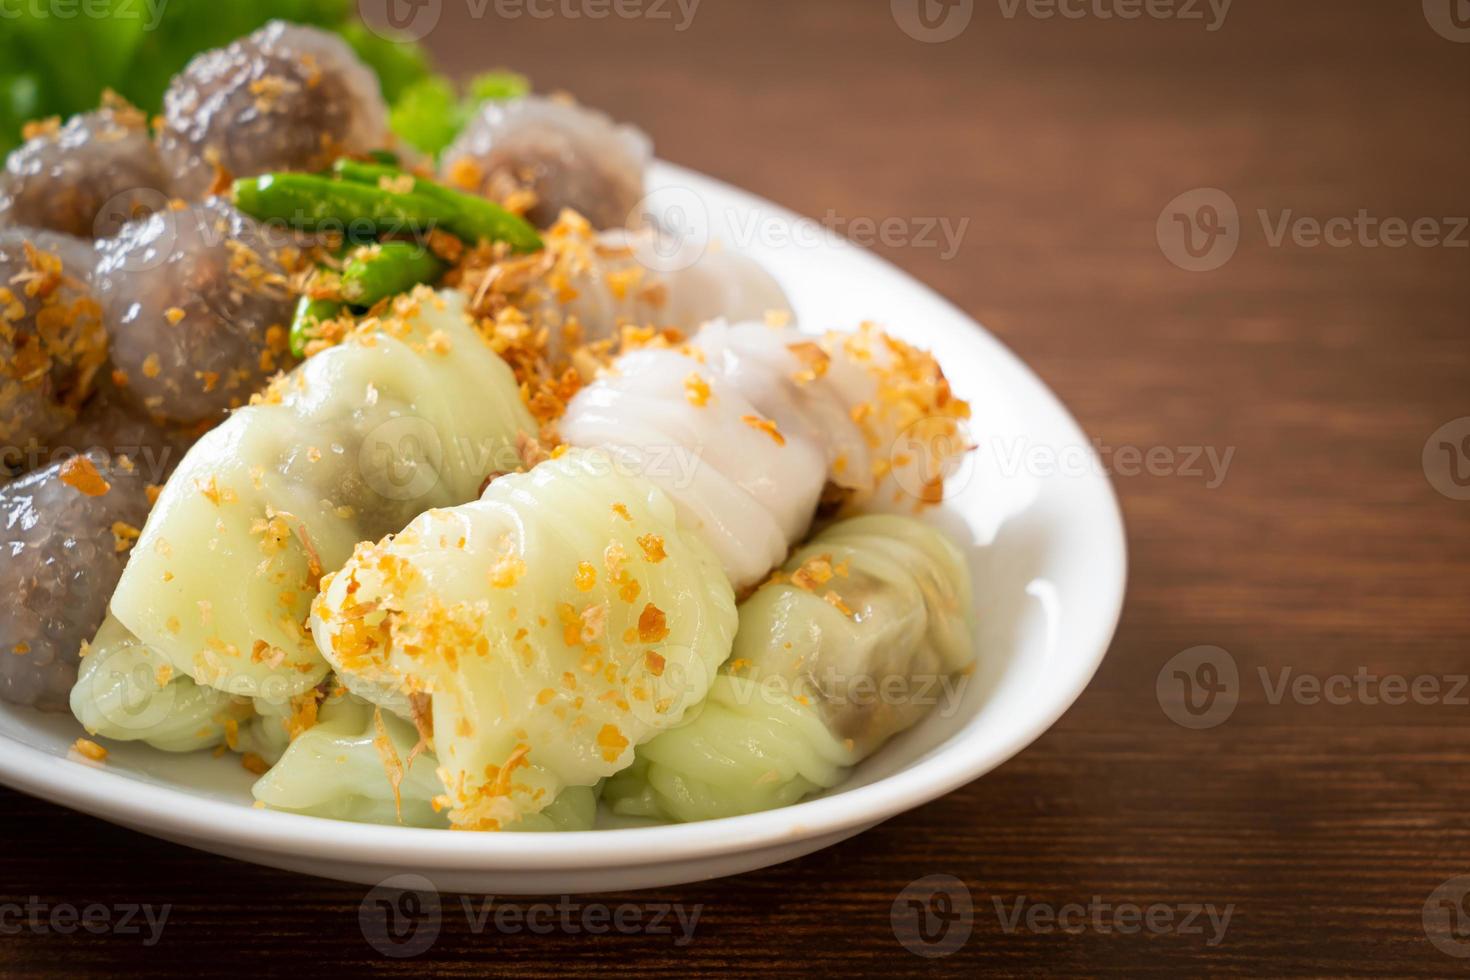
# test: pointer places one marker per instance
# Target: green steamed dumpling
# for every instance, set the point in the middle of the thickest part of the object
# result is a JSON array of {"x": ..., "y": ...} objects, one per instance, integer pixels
[{"x": 866, "y": 627}]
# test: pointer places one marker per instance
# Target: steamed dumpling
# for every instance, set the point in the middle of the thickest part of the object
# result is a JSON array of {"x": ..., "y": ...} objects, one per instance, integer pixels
[
  {"x": 128, "y": 693},
  {"x": 746, "y": 488},
  {"x": 351, "y": 446},
  {"x": 567, "y": 155},
  {"x": 585, "y": 287},
  {"x": 197, "y": 302},
  {"x": 286, "y": 97},
  {"x": 554, "y": 625},
  {"x": 747, "y": 427},
  {"x": 859, "y": 636},
  {"x": 52, "y": 338},
  {"x": 359, "y": 763},
  {"x": 86, "y": 177},
  {"x": 64, "y": 537}
]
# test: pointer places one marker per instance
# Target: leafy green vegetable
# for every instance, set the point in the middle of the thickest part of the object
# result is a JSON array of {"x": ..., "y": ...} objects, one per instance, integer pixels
[
  {"x": 500, "y": 84},
  {"x": 400, "y": 65},
  {"x": 53, "y": 61},
  {"x": 57, "y": 65},
  {"x": 428, "y": 115}
]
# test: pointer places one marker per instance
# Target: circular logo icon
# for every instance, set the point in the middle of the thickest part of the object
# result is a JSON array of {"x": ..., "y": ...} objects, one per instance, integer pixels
[
  {"x": 1449, "y": 18},
  {"x": 933, "y": 916},
  {"x": 126, "y": 206},
  {"x": 400, "y": 916},
  {"x": 933, "y": 21},
  {"x": 1447, "y": 919},
  {"x": 671, "y": 229},
  {"x": 400, "y": 20},
  {"x": 1198, "y": 688},
  {"x": 1199, "y": 230},
  {"x": 401, "y": 458},
  {"x": 1446, "y": 459},
  {"x": 931, "y": 460},
  {"x": 669, "y": 687},
  {"x": 126, "y": 690}
]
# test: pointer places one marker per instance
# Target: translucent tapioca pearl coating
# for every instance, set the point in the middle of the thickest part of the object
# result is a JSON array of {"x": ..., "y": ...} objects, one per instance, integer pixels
[
  {"x": 569, "y": 156},
  {"x": 60, "y": 560},
  {"x": 111, "y": 424},
  {"x": 52, "y": 340},
  {"x": 198, "y": 307},
  {"x": 108, "y": 423},
  {"x": 84, "y": 178},
  {"x": 283, "y": 98}
]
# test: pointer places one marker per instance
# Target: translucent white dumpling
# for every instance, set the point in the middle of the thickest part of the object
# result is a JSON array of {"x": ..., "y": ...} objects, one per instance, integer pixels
[
  {"x": 748, "y": 490},
  {"x": 748, "y": 426},
  {"x": 585, "y": 287}
]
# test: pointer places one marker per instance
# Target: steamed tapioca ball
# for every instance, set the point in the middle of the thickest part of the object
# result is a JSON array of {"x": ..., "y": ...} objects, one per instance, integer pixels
[
  {"x": 86, "y": 177},
  {"x": 52, "y": 340},
  {"x": 283, "y": 98},
  {"x": 65, "y": 533},
  {"x": 198, "y": 307},
  {"x": 111, "y": 424},
  {"x": 566, "y": 155}
]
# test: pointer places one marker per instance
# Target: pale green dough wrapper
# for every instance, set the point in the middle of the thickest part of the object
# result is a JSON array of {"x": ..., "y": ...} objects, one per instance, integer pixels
[
  {"x": 866, "y": 629},
  {"x": 205, "y": 630},
  {"x": 363, "y": 437},
  {"x": 337, "y": 769},
  {"x": 558, "y": 622}
]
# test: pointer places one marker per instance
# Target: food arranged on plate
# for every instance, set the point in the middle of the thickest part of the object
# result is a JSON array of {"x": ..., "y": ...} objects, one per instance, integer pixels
[{"x": 396, "y": 473}]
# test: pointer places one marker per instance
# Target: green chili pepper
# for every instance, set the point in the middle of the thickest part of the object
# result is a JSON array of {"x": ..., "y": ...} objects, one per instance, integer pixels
[
  {"x": 310, "y": 314},
  {"x": 314, "y": 203},
  {"x": 379, "y": 271},
  {"x": 475, "y": 217}
]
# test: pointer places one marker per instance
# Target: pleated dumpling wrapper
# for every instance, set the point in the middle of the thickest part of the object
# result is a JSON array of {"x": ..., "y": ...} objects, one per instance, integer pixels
[
  {"x": 364, "y": 764},
  {"x": 412, "y": 411},
  {"x": 542, "y": 632},
  {"x": 865, "y": 630}
]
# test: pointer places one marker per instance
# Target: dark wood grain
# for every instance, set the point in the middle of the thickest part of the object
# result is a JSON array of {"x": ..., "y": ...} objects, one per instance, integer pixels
[{"x": 1325, "y": 549}]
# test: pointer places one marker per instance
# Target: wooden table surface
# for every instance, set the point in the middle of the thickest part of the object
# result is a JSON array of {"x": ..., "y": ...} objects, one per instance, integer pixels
[{"x": 1325, "y": 829}]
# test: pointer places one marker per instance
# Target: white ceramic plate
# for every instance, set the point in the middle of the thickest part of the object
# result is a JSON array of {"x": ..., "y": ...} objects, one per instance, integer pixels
[{"x": 1033, "y": 507}]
